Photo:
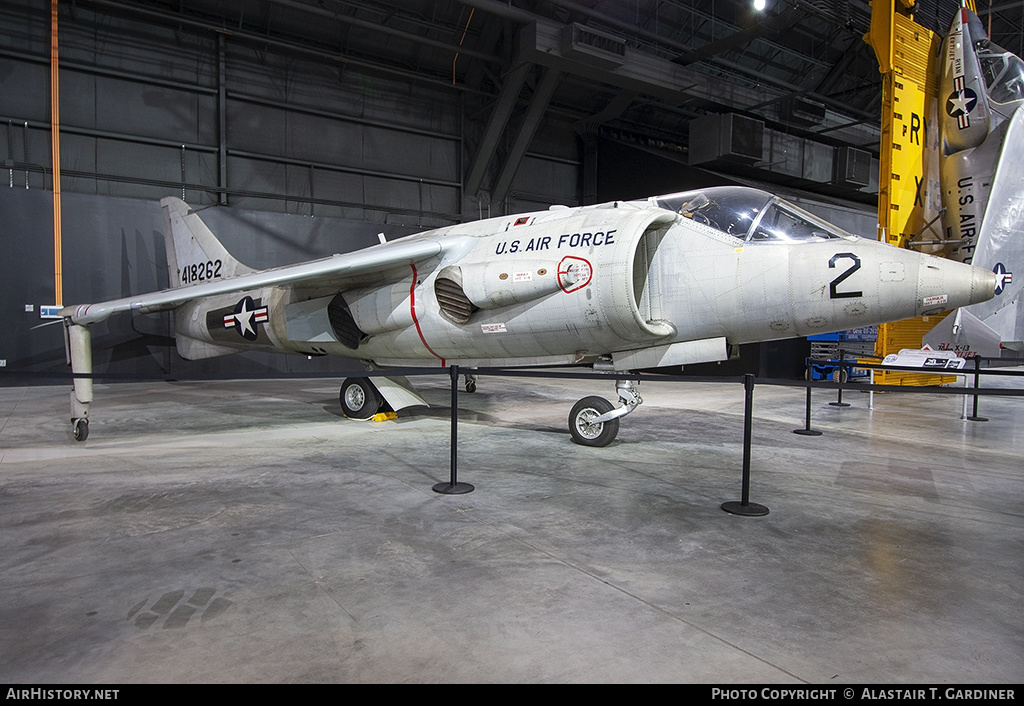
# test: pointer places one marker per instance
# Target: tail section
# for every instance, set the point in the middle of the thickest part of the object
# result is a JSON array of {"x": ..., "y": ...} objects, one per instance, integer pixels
[{"x": 194, "y": 254}]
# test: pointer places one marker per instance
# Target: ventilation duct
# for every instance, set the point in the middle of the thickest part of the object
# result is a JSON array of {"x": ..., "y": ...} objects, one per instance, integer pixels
[
  {"x": 853, "y": 167},
  {"x": 727, "y": 137},
  {"x": 801, "y": 111},
  {"x": 593, "y": 47}
]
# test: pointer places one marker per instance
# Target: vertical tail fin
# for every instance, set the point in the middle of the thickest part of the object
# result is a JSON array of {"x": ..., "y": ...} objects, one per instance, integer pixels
[
  {"x": 1000, "y": 244},
  {"x": 194, "y": 254},
  {"x": 999, "y": 247}
]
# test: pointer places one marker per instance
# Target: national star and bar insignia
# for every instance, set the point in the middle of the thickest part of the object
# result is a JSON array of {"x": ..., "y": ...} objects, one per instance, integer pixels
[
  {"x": 1003, "y": 277},
  {"x": 246, "y": 316},
  {"x": 961, "y": 102}
]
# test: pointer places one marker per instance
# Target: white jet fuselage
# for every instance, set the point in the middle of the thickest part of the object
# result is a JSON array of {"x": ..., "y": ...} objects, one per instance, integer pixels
[{"x": 665, "y": 281}]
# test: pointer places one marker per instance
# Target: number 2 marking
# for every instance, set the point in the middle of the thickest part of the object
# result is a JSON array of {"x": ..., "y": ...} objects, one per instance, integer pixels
[{"x": 832, "y": 293}]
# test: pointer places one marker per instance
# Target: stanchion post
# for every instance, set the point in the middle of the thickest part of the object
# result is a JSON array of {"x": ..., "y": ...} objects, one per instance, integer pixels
[
  {"x": 744, "y": 506},
  {"x": 974, "y": 414},
  {"x": 807, "y": 431},
  {"x": 453, "y": 486},
  {"x": 839, "y": 378}
]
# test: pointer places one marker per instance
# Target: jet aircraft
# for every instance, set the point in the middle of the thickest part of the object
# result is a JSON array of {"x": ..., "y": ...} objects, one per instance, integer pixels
[
  {"x": 981, "y": 140},
  {"x": 664, "y": 281}
]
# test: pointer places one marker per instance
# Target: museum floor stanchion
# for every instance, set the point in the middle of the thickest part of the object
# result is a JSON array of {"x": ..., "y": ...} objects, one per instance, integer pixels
[
  {"x": 453, "y": 486},
  {"x": 744, "y": 506}
]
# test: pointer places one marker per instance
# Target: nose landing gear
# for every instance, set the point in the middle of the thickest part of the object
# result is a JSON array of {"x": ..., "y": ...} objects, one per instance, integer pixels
[{"x": 594, "y": 422}]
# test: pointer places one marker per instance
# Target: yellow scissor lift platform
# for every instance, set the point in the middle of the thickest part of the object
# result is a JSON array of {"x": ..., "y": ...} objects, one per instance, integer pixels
[{"x": 909, "y": 200}]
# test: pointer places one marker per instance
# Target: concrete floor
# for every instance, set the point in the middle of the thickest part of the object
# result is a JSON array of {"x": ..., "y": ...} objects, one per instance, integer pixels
[{"x": 245, "y": 532}]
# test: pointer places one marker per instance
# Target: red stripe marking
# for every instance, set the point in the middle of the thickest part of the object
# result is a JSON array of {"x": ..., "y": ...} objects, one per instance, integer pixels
[{"x": 415, "y": 320}]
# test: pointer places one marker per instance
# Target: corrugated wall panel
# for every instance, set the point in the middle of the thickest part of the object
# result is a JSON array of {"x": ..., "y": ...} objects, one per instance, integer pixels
[
  {"x": 26, "y": 90},
  {"x": 124, "y": 45},
  {"x": 152, "y": 111},
  {"x": 537, "y": 176}
]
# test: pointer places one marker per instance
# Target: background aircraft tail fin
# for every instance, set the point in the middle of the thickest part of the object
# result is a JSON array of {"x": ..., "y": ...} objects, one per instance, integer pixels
[
  {"x": 999, "y": 248},
  {"x": 194, "y": 254},
  {"x": 1001, "y": 240}
]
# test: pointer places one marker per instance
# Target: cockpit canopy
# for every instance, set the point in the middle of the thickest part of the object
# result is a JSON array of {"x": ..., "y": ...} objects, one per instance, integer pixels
[
  {"x": 750, "y": 215},
  {"x": 1004, "y": 74}
]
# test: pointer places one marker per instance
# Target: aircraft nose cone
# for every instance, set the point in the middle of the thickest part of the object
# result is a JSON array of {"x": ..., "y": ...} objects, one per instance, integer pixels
[
  {"x": 945, "y": 284},
  {"x": 983, "y": 285}
]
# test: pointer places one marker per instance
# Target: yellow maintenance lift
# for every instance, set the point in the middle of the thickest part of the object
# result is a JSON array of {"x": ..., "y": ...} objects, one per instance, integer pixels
[{"x": 909, "y": 200}]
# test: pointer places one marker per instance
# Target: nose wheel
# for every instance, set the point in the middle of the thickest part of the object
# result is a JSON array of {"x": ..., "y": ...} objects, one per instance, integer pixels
[
  {"x": 593, "y": 420},
  {"x": 583, "y": 427}
]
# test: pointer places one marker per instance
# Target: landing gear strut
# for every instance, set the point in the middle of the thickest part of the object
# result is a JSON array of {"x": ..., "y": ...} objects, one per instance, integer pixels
[{"x": 594, "y": 422}]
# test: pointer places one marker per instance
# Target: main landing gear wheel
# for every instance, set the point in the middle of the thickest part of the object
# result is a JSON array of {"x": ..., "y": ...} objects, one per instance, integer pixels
[
  {"x": 359, "y": 398},
  {"x": 582, "y": 428},
  {"x": 80, "y": 429}
]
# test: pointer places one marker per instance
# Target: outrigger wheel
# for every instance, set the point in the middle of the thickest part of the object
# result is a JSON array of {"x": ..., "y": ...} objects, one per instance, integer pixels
[
  {"x": 582, "y": 427},
  {"x": 359, "y": 398},
  {"x": 80, "y": 429}
]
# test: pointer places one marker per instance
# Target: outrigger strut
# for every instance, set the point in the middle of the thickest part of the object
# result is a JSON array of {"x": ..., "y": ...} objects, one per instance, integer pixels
[{"x": 78, "y": 342}]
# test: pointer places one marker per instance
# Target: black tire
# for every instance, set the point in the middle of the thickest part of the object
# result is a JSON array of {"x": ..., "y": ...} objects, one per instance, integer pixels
[
  {"x": 470, "y": 386},
  {"x": 840, "y": 375},
  {"x": 80, "y": 429},
  {"x": 359, "y": 398},
  {"x": 587, "y": 434}
]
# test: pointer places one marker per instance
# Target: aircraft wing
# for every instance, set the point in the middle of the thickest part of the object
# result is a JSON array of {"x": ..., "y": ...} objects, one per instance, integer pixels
[{"x": 375, "y": 259}]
